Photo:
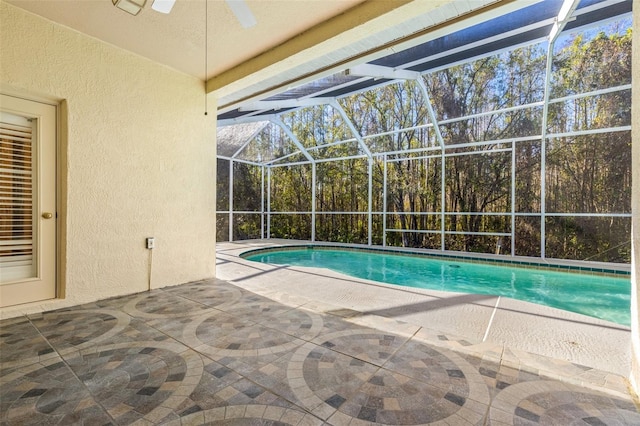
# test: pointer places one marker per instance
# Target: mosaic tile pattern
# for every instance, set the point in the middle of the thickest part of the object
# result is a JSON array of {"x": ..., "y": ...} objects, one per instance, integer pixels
[
  {"x": 211, "y": 353},
  {"x": 47, "y": 393},
  {"x": 21, "y": 344},
  {"x": 544, "y": 402},
  {"x": 160, "y": 304},
  {"x": 203, "y": 292},
  {"x": 73, "y": 330},
  {"x": 137, "y": 381}
]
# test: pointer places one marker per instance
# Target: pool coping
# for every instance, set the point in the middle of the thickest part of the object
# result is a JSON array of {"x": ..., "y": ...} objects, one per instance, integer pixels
[{"x": 585, "y": 267}]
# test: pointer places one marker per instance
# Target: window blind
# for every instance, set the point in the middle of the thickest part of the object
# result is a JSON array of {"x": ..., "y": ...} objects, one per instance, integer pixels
[{"x": 16, "y": 198}]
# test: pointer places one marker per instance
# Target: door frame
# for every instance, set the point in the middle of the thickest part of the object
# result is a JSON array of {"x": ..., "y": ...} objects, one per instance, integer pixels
[{"x": 58, "y": 246}]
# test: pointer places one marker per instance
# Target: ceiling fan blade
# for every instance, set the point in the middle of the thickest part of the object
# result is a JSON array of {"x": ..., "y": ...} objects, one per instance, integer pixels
[
  {"x": 242, "y": 12},
  {"x": 163, "y": 6}
]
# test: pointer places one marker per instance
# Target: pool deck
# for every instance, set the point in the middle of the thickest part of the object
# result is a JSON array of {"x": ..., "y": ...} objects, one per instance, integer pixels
[
  {"x": 558, "y": 344},
  {"x": 272, "y": 345}
]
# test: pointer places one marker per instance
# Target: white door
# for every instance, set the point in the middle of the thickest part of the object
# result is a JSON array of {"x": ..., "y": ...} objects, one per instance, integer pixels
[{"x": 27, "y": 201}]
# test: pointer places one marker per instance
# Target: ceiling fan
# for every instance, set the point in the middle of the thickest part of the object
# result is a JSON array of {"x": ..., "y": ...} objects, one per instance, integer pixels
[{"x": 238, "y": 7}]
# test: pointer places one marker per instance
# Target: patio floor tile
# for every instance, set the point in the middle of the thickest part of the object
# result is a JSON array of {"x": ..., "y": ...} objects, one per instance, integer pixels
[{"x": 214, "y": 353}]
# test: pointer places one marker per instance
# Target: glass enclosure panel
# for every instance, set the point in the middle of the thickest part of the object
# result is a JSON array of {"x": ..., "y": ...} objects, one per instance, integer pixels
[
  {"x": 527, "y": 236},
  {"x": 528, "y": 166},
  {"x": 478, "y": 183},
  {"x": 414, "y": 185},
  {"x": 342, "y": 186},
  {"x": 413, "y": 239},
  {"x": 414, "y": 221},
  {"x": 272, "y": 142},
  {"x": 593, "y": 59},
  {"x": 422, "y": 137},
  {"x": 317, "y": 125},
  {"x": 391, "y": 107},
  {"x": 291, "y": 226},
  {"x": 246, "y": 226},
  {"x": 592, "y": 112},
  {"x": 589, "y": 174},
  {"x": 293, "y": 158},
  {"x": 222, "y": 227},
  {"x": 230, "y": 139},
  {"x": 222, "y": 185},
  {"x": 489, "y": 244},
  {"x": 601, "y": 239},
  {"x": 491, "y": 127},
  {"x": 477, "y": 223},
  {"x": 377, "y": 221},
  {"x": 491, "y": 83},
  {"x": 291, "y": 189},
  {"x": 339, "y": 151},
  {"x": 247, "y": 187},
  {"x": 377, "y": 187},
  {"x": 342, "y": 228}
]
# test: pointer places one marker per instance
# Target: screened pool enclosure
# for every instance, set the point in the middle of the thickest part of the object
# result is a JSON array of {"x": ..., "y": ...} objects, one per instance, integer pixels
[{"x": 511, "y": 136}]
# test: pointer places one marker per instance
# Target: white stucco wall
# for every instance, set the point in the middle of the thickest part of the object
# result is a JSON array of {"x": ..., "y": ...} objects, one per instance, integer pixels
[
  {"x": 140, "y": 160},
  {"x": 635, "y": 205}
]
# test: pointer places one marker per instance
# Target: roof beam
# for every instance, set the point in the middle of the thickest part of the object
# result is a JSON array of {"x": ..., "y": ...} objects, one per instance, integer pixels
[
  {"x": 284, "y": 104},
  {"x": 430, "y": 111},
  {"x": 564, "y": 16},
  {"x": 353, "y": 129},
  {"x": 378, "y": 71},
  {"x": 245, "y": 119},
  {"x": 278, "y": 122}
]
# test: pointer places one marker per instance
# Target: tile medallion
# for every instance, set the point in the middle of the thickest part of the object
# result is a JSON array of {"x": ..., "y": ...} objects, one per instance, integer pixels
[
  {"x": 78, "y": 329},
  {"x": 212, "y": 293},
  {"x": 22, "y": 344},
  {"x": 373, "y": 385},
  {"x": 132, "y": 379},
  {"x": 161, "y": 304},
  {"x": 47, "y": 393},
  {"x": 550, "y": 402}
]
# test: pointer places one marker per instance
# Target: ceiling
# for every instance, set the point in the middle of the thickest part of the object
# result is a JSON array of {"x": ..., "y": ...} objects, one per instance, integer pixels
[
  {"x": 302, "y": 49},
  {"x": 177, "y": 39},
  {"x": 293, "y": 42}
]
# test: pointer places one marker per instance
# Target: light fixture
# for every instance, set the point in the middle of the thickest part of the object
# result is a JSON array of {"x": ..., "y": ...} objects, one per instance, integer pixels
[
  {"x": 130, "y": 6},
  {"x": 163, "y": 6},
  {"x": 242, "y": 12}
]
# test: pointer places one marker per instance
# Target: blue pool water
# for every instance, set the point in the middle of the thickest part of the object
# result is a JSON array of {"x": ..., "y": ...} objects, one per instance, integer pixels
[{"x": 599, "y": 296}]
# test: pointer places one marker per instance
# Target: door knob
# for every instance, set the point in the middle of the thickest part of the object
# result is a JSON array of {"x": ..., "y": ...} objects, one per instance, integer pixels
[{"x": 47, "y": 215}]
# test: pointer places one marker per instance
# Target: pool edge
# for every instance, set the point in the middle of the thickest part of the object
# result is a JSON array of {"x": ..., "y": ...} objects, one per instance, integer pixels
[{"x": 557, "y": 265}]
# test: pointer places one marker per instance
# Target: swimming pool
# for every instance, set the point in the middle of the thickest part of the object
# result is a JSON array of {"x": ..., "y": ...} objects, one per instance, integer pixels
[{"x": 597, "y": 295}]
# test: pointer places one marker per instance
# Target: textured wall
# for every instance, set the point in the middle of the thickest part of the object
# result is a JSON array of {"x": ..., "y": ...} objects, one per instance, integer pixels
[
  {"x": 140, "y": 160},
  {"x": 635, "y": 204}
]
